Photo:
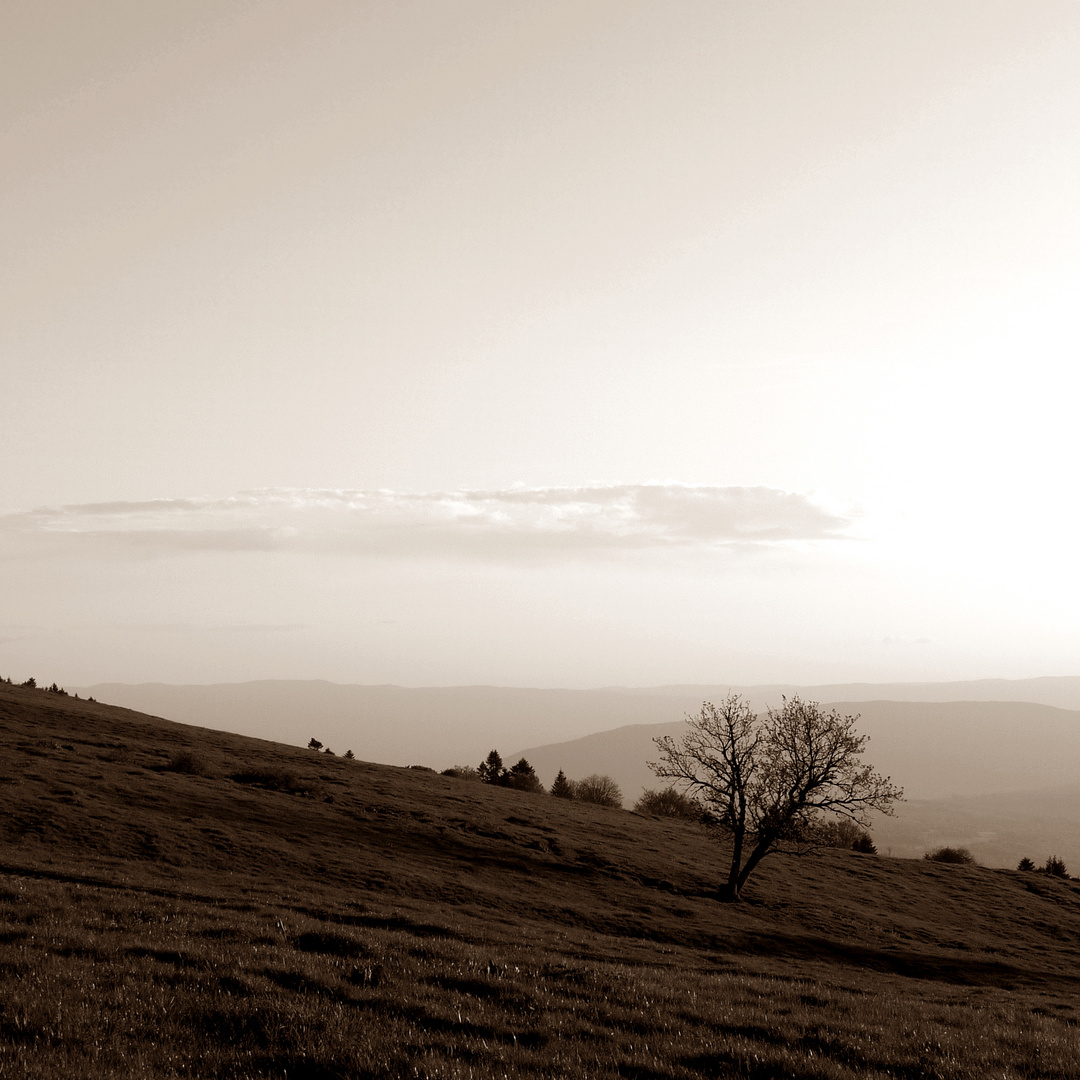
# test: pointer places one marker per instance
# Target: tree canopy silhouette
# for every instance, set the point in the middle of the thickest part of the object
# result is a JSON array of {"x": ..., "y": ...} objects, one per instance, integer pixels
[
  {"x": 765, "y": 778},
  {"x": 522, "y": 777},
  {"x": 491, "y": 768},
  {"x": 561, "y": 788}
]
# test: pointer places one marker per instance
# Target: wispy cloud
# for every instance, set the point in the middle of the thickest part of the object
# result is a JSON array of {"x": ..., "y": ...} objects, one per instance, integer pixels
[{"x": 502, "y": 523}]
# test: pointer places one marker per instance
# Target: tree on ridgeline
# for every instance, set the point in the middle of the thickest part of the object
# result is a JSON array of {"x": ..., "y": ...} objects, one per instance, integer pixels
[
  {"x": 491, "y": 768},
  {"x": 765, "y": 779},
  {"x": 462, "y": 772},
  {"x": 1055, "y": 867},
  {"x": 668, "y": 803},
  {"x": 957, "y": 856},
  {"x": 562, "y": 788},
  {"x": 598, "y": 789},
  {"x": 522, "y": 777}
]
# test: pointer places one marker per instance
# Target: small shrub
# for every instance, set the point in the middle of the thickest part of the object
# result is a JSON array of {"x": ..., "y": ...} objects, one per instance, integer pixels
[
  {"x": 838, "y": 833},
  {"x": 668, "y": 803},
  {"x": 462, "y": 772},
  {"x": 184, "y": 761},
  {"x": 958, "y": 855},
  {"x": 349, "y": 755},
  {"x": 1025, "y": 865},
  {"x": 562, "y": 788},
  {"x": 864, "y": 844},
  {"x": 30, "y": 684},
  {"x": 598, "y": 789},
  {"x": 422, "y": 768},
  {"x": 1055, "y": 867},
  {"x": 314, "y": 744}
]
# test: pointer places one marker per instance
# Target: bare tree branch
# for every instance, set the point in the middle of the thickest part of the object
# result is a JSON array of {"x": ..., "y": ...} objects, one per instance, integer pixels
[{"x": 765, "y": 778}]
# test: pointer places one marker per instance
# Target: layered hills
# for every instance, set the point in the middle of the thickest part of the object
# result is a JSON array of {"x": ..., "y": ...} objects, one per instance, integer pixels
[
  {"x": 442, "y": 726},
  {"x": 177, "y": 901},
  {"x": 997, "y": 777}
]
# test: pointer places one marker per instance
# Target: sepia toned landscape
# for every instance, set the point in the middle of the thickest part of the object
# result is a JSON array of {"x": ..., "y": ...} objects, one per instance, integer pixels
[
  {"x": 176, "y": 901},
  {"x": 538, "y": 539}
]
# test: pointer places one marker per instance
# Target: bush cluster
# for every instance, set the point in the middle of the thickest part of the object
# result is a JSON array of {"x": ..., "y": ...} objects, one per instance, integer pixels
[
  {"x": 958, "y": 855},
  {"x": 520, "y": 777},
  {"x": 669, "y": 803},
  {"x": 314, "y": 744},
  {"x": 1053, "y": 867},
  {"x": 598, "y": 789},
  {"x": 839, "y": 833},
  {"x": 31, "y": 684},
  {"x": 462, "y": 772}
]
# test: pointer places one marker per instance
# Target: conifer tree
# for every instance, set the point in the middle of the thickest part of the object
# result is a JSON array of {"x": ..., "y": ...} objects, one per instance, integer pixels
[
  {"x": 491, "y": 768},
  {"x": 562, "y": 788}
]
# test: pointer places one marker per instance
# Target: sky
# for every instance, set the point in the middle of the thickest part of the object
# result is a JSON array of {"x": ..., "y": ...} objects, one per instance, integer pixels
[{"x": 567, "y": 344}]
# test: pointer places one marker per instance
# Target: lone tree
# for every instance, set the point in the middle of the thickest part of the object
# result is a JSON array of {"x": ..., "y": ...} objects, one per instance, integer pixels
[
  {"x": 763, "y": 779},
  {"x": 598, "y": 789}
]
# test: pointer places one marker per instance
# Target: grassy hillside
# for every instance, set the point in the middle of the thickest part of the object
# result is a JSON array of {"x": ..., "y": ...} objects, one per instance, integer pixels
[{"x": 182, "y": 902}]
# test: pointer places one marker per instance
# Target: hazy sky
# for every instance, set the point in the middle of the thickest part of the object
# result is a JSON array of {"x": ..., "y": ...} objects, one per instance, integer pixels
[{"x": 539, "y": 343}]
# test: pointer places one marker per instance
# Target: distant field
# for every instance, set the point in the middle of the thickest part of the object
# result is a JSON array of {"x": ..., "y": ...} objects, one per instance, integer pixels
[{"x": 181, "y": 902}]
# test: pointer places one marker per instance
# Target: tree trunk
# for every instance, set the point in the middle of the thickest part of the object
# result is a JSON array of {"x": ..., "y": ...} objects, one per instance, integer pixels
[
  {"x": 761, "y": 849},
  {"x": 731, "y": 889}
]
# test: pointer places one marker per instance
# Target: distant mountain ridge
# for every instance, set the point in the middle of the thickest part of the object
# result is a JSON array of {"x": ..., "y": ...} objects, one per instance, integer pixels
[
  {"x": 442, "y": 726},
  {"x": 1061, "y": 691},
  {"x": 934, "y": 750}
]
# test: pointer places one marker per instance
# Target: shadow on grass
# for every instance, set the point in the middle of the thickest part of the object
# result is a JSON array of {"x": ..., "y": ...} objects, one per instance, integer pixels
[
  {"x": 274, "y": 780},
  {"x": 927, "y": 966}
]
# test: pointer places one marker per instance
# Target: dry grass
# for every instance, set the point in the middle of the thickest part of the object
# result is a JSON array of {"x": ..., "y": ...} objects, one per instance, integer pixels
[{"x": 163, "y": 923}]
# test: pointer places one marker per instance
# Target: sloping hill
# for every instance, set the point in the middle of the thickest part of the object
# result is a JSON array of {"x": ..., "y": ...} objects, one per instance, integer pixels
[
  {"x": 176, "y": 901},
  {"x": 442, "y": 726}
]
